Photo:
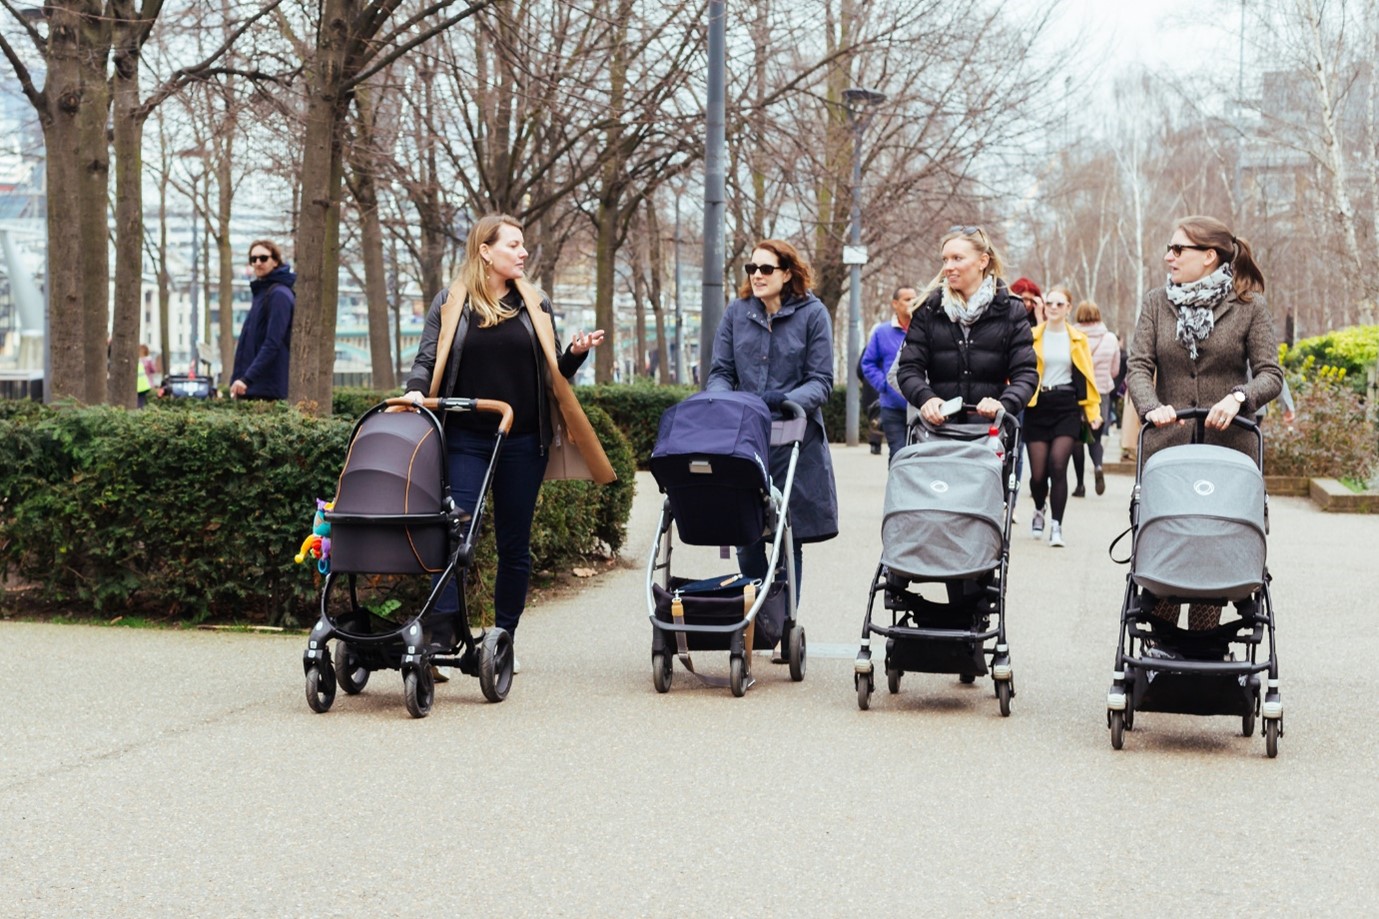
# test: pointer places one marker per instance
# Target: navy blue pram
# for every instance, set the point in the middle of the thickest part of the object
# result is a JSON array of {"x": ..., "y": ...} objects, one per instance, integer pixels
[{"x": 712, "y": 460}]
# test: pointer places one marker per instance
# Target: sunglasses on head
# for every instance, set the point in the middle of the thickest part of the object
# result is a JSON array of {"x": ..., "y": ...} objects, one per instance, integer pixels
[
  {"x": 764, "y": 270},
  {"x": 966, "y": 230},
  {"x": 255, "y": 259},
  {"x": 1177, "y": 249}
]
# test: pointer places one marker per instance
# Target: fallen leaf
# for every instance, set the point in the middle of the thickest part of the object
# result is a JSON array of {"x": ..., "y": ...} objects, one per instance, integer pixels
[{"x": 585, "y": 572}]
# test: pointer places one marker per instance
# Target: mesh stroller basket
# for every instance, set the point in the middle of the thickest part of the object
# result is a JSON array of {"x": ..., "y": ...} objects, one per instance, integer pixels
[
  {"x": 395, "y": 466},
  {"x": 945, "y": 511},
  {"x": 1202, "y": 524},
  {"x": 711, "y": 458}
]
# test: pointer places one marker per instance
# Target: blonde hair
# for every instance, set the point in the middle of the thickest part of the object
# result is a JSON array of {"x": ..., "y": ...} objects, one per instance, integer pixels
[
  {"x": 1087, "y": 311},
  {"x": 979, "y": 241},
  {"x": 470, "y": 283}
]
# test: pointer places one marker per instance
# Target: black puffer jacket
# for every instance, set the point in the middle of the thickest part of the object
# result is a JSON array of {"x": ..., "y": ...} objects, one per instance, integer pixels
[{"x": 995, "y": 358}]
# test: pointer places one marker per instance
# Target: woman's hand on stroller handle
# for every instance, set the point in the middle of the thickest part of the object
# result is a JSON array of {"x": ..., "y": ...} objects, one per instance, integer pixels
[
  {"x": 1168, "y": 414},
  {"x": 412, "y": 400}
]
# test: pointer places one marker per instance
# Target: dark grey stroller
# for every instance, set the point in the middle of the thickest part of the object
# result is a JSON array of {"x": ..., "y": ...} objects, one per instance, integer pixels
[
  {"x": 949, "y": 499},
  {"x": 1199, "y": 518},
  {"x": 711, "y": 460},
  {"x": 393, "y": 520}
]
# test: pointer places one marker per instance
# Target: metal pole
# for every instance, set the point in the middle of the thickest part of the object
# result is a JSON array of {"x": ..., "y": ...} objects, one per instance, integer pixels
[
  {"x": 854, "y": 394},
  {"x": 711, "y": 310},
  {"x": 1237, "y": 185},
  {"x": 196, "y": 281},
  {"x": 678, "y": 364}
]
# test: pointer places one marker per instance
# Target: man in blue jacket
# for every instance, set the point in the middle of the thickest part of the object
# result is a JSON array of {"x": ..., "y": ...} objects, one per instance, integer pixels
[
  {"x": 265, "y": 341},
  {"x": 880, "y": 352}
]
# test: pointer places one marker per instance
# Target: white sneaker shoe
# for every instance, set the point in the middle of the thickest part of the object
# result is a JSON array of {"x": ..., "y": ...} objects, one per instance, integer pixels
[
  {"x": 516, "y": 665},
  {"x": 1056, "y": 535},
  {"x": 1036, "y": 526}
]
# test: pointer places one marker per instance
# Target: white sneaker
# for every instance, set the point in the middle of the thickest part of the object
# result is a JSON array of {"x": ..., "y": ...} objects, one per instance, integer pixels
[
  {"x": 516, "y": 665},
  {"x": 1036, "y": 526},
  {"x": 1056, "y": 534}
]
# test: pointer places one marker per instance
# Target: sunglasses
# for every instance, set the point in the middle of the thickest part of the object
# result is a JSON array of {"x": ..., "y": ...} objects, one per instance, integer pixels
[
  {"x": 966, "y": 230},
  {"x": 764, "y": 270},
  {"x": 1177, "y": 250},
  {"x": 255, "y": 259}
]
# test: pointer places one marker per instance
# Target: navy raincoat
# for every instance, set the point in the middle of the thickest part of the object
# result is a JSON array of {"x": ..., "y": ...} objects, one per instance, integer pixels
[
  {"x": 265, "y": 341},
  {"x": 790, "y": 352}
]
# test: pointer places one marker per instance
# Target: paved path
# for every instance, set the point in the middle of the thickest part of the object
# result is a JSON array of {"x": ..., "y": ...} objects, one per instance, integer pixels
[{"x": 147, "y": 773}]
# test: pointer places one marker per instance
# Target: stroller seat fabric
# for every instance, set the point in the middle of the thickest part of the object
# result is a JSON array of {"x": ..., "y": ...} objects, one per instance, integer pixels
[
  {"x": 395, "y": 465},
  {"x": 944, "y": 514},
  {"x": 1201, "y": 525},
  {"x": 711, "y": 460}
]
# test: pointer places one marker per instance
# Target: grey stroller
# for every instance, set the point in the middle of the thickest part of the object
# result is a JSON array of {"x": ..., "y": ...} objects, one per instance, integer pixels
[
  {"x": 1199, "y": 519},
  {"x": 949, "y": 499}
]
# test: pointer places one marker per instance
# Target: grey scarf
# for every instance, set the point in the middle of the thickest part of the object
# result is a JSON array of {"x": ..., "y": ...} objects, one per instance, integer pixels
[
  {"x": 1195, "y": 301},
  {"x": 966, "y": 314}
]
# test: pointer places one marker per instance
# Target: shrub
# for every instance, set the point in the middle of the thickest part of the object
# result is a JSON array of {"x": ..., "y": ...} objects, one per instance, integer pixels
[
  {"x": 1353, "y": 350},
  {"x": 1329, "y": 436},
  {"x": 635, "y": 408}
]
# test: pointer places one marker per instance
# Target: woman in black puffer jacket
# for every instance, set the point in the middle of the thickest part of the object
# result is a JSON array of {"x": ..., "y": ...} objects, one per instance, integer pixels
[{"x": 969, "y": 337}]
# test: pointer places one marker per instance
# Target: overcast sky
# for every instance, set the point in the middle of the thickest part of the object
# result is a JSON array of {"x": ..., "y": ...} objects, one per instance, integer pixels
[{"x": 1178, "y": 35}]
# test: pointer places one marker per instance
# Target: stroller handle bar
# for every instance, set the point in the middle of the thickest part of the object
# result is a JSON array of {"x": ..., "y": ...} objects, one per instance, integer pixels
[
  {"x": 460, "y": 405},
  {"x": 1199, "y": 429}
]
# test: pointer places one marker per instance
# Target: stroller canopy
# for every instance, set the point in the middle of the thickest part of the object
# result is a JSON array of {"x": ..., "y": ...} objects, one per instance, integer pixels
[
  {"x": 1202, "y": 524},
  {"x": 711, "y": 458},
  {"x": 945, "y": 511}
]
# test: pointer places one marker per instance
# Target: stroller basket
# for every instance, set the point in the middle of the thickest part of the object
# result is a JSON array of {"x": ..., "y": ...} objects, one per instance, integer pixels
[
  {"x": 1202, "y": 524},
  {"x": 713, "y": 603},
  {"x": 710, "y": 459},
  {"x": 389, "y": 515},
  {"x": 944, "y": 514}
]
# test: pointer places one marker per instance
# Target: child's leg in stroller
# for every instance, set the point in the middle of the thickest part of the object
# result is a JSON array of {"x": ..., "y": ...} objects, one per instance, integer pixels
[{"x": 752, "y": 559}]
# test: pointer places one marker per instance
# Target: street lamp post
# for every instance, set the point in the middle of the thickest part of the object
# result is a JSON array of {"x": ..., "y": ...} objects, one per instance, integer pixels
[
  {"x": 715, "y": 182},
  {"x": 860, "y": 105},
  {"x": 678, "y": 359}
]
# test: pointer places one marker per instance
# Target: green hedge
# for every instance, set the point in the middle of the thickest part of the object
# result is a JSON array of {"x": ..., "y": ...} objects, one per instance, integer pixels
[
  {"x": 1353, "y": 351},
  {"x": 197, "y": 511}
]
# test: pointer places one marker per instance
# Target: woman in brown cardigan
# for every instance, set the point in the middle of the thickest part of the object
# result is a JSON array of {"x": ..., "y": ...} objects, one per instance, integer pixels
[{"x": 1196, "y": 341}]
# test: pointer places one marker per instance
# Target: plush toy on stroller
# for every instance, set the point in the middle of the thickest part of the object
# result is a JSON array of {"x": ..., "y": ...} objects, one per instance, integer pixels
[
  {"x": 949, "y": 499},
  {"x": 1199, "y": 518},
  {"x": 393, "y": 519},
  {"x": 711, "y": 460}
]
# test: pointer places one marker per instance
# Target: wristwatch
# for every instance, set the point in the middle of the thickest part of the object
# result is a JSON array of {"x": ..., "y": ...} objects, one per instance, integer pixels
[{"x": 1239, "y": 393}]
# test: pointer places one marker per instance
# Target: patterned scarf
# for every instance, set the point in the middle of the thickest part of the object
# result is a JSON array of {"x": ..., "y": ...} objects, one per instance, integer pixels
[
  {"x": 966, "y": 314},
  {"x": 1195, "y": 302}
]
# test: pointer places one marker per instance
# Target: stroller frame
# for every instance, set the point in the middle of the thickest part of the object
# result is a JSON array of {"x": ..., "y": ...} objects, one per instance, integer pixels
[
  {"x": 1162, "y": 668},
  {"x": 670, "y": 640},
  {"x": 923, "y": 636},
  {"x": 366, "y": 642}
]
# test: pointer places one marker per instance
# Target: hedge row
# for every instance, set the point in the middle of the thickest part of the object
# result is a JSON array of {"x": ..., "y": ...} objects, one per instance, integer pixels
[
  {"x": 1352, "y": 351},
  {"x": 195, "y": 510}
]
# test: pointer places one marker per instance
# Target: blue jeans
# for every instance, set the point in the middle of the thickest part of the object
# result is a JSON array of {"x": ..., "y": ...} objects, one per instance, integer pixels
[
  {"x": 752, "y": 560},
  {"x": 516, "y": 484},
  {"x": 893, "y": 424}
]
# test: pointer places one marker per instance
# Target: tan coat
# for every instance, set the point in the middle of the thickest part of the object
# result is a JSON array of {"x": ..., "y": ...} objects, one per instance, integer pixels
[{"x": 1162, "y": 373}]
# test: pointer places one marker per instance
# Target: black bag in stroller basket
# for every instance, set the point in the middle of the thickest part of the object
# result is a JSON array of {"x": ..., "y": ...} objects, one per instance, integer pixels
[{"x": 720, "y": 601}]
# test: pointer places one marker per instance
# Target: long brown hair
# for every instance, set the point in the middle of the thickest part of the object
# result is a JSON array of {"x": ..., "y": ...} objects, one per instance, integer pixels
[
  {"x": 469, "y": 283},
  {"x": 801, "y": 278},
  {"x": 1229, "y": 248}
]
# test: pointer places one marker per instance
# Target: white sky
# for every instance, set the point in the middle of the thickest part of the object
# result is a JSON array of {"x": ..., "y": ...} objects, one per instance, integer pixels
[{"x": 1182, "y": 36}]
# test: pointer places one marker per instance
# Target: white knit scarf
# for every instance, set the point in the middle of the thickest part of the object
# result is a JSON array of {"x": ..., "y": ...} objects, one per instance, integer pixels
[
  {"x": 966, "y": 314},
  {"x": 1195, "y": 301}
]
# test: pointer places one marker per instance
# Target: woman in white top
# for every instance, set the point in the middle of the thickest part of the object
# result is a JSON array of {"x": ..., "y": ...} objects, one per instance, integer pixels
[{"x": 1053, "y": 421}]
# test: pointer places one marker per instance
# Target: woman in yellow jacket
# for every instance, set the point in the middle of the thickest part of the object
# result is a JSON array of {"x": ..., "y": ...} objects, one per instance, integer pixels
[{"x": 1053, "y": 421}]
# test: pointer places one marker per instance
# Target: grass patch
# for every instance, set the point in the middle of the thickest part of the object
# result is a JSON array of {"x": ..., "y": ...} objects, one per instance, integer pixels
[{"x": 1354, "y": 484}]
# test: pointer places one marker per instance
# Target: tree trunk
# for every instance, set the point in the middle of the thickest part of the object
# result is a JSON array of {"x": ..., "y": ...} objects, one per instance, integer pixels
[
  {"x": 129, "y": 227},
  {"x": 371, "y": 243},
  {"x": 225, "y": 194},
  {"x": 93, "y": 183},
  {"x": 656, "y": 265}
]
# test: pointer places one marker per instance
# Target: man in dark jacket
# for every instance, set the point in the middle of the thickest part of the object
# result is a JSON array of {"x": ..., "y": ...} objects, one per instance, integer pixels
[{"x": 265, "y": 341}]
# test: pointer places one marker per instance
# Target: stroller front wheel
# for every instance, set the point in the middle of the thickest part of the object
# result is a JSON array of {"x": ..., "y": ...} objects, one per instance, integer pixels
[
  {"x": 737, "y": 677},
  {"x": 349, "y": 672},
  {"x": 418, "y": 690},
  {"x": 797, "y": 653},
  {"x": 1117, "y": 730},
  {"x": 320, "y": 688},
  {"x": 662, "y": 672},
  {"x": 495, "y": 664},
  {"x": 1003, "y": 697}
]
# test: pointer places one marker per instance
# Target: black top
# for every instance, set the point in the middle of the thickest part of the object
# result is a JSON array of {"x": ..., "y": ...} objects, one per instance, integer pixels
[
  {"x": 499, "y": 363},
  {"x": 995, "y": 358}
]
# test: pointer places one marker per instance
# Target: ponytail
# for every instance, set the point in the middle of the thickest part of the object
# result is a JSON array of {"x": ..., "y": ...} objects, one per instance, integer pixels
[{"x": 1248, "y": 278}]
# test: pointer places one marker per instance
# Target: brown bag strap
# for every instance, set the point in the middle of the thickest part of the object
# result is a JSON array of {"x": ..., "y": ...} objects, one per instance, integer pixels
[{"x": 749, "y": 597}]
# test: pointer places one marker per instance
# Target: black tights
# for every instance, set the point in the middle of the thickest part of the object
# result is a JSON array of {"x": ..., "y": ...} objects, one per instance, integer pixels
[
  {"x": 1049, "y": 462},
  {"x": 1095, "y": 448}
]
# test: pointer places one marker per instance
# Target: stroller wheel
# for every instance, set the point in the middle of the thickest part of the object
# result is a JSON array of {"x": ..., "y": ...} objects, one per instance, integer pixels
[
  {"x": 967, "y": 678},
  {"x": 662, "y": 672},
  {"x": 320, "y": 689},
  {"x": 797, "y": 653},
  {"x": 1003, "y": 697},
  {"x": 737, "y": 677},
  {"x": 863, "y": 681},
  {"x": 1273, "y": 727},
  {"x": 1117, "y": 730},
  {"x": 1247, "y": 725},
  {"x": 893, "y": 675},
  {"x": 495, "y": 664},
  {"x": 418, "y": 691},
  {"x": 349, "y": 673}
]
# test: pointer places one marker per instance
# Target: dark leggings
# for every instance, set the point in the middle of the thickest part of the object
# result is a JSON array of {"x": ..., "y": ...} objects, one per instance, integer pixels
[{"x": 1049, "y": 461}]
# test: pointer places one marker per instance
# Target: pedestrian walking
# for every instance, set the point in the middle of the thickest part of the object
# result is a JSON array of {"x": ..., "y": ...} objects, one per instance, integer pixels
[
  {"x": 491, "y": 335},
  {"x": 264, "y": 349},
  {"x": 1066, "y": 398},
  {"x": 1204, "y": 339},
  {"x": 1106, "y": 361},
  {"x": 776, "y": 340},
  {"x": 882, "y": 347}
]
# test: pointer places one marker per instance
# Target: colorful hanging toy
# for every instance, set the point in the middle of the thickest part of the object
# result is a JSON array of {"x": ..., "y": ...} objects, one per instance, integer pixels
[{"x": 317, "y": 545}]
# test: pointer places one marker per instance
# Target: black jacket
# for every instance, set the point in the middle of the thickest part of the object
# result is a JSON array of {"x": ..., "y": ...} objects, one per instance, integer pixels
[
  {"x": 995, "y": 358},
  {"x": 420, "y": 377},
  {"x": 265, "y": 341}
]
